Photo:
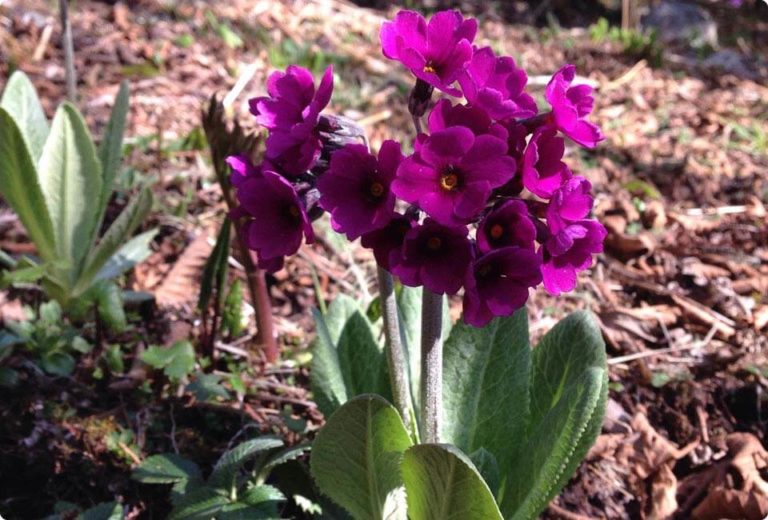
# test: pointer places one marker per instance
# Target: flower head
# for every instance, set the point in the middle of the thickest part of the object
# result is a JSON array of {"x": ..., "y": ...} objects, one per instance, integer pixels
[
  {"x": 506, "y": 225},
  {"x": 498, "y": 283},
  {"x": 497, "y": 85},
  {"x": 242, "y": 169},
  {"x": 436, "y": 52},
  {"x": 278, "y": 220},
  {"x": 570, "y": 107},
  {"x": 434, "y": 256},
  {"x": 452, "y": 174},
  {"x": 543, "y": 170},
  {"x": 571, "y": 202},
  {"x": 387, "y": 242},
  {"x": 355, "y": 189}
]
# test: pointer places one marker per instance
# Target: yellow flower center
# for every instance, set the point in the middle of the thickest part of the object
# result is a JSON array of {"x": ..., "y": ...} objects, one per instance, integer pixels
[
  {"x": 449, "y": 181},
  {"x": 434, "y": 243},
  {"x": 430, "y": 68}
]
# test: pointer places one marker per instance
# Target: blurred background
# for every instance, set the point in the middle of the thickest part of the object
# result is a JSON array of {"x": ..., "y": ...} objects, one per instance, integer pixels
[{"x": 681, "y": 184}]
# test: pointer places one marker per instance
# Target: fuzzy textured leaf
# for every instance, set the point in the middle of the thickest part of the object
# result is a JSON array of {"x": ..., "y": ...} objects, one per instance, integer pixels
[
  {"x": 326, "y": 376},
  {"x": 114, "y": 240},
  {"x": 20, "y": 186},
  {"x": 569, "y": 392},
  {"x": 356, "y": 458},
  {"x": 226, "y": 469},
  {"x": 486, "y": 387},
  {"x": 442, "y": 484},
  {"x": 22, "y": 104},
  {"x": 111, "y": 147},
  {"x": 131, "y": 253},
  {"x": 70, "y": 176},
  {"x": 166, "y": 469}
]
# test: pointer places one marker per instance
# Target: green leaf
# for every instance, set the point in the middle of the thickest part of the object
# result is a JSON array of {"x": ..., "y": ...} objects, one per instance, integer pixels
[
  {"x": 109, "y": 303},
  {"x": 232, "y": 315},
  {"x": 488, "y": 468},
  {"x": 326, "y": 376},
  {"x": 201, "y": 504},
  {"x": 486, "y": 387},
  {"x": 134, "y": 251},
  {"x": 29, "y": 274},
  {"x": 228, "y": 466},
  {"x": 70, "y": 177},
  {"x": 22, "y": 104},
  {"x": 281, "y": 457},
  {"x": 362, "y": 362},
  {"x": 356, "y": 458},
  {"x": 58, "y": 363},
  {"x": 111, "y": 147},
  {"x": 8, "y": 377},
  {"x": 569, "y": 392},
  {"x": 176, "y": 361},
  {"x": 166, "y": 469},
  {"x": 207, "y": 387},
  {"x": 442, "y": 484},
  {"x": 260, "y": 494},
  {"x": 115, "y": 239},
  {"x": 113, "y": 356},
  {"x": 105, "y": 511},
  {"x": 216, "y": 264},
  {"x": 20, "y": 186}
]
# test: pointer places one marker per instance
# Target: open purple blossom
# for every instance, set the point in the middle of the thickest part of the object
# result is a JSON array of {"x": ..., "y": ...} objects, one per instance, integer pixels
[
  {"x": 445, "y": 115},
  {"x": 571, "y": 202},
  {"x": 242, "y": 169},
  {"x": 293, "y": 104},
  {"x": 508, "y": 224},
  {"x": 452, "y": 174},
  {"x": 498, "y": 283},
  {"x": 278, "y": 221},
  {"x": 293, "y": 154},
  {"x": 387, "y": 242},
  {"x": 434, "y": 256},
  {"x": 570, "y": 251},
  {"x": 355, "y": 189},
  {"x": 571, "y": 106},
  {"x": 436, "y": 52},
  {"x": 497, "y": 85},
  {"x": 543, "y": 170}
]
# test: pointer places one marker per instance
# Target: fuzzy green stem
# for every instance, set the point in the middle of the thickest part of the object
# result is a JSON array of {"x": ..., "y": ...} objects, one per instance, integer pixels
[
  {"x": 398, "y": 368},
  {"x": 431, "y": 366}
]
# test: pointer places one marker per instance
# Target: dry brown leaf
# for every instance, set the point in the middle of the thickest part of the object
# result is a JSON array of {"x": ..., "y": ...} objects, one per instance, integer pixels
[
  {"x": 663, "y": 494},
  {"x": 182, "y": 284},
  {"x": 731, "y": 504}
]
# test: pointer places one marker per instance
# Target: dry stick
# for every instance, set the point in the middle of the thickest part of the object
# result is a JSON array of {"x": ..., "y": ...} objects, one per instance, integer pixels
[
  {"x": 394, "y": 347},
  {"x": 69, "y": 52},
  {"x": 431, "y": 365}
]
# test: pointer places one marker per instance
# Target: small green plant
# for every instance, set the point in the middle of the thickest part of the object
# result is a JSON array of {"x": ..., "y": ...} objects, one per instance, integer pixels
[
  {"x": 634, "y": 43},
  {"x": 59, "y": 184},
  {"x": 176, "y": 362},
  {"x": 236, "y": 488},
  {"x": 47, "y": 337},
  {"x": 104, "y": 511}
]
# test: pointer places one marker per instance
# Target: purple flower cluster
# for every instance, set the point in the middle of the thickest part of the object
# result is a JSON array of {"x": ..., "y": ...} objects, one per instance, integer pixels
[{"x": 484, "y": 202}]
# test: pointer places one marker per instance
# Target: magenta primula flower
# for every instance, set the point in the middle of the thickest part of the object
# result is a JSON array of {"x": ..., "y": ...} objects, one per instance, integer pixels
[
  {"x": 355, "y": 189},
  {"x": 497, "y": 85},
  {"x": 573, "y": 238},
  {"x": 452, "y": 174},
  {"x": 278, "y": 221},
  {"x": 434, "y": 256},
  {"x": 543, "y": 170},
  {"x": 570, "y": 107},
  {"x": 291, "y": 113},
  {"x": 436, "y": 52},
  {"x": 293, "y": 104},
  {"x": 387, "y": 242},
  {"x": 508, "y": 224},
  {"x": 445, "y": 115},
  {"x": 498, "y": 283}
]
